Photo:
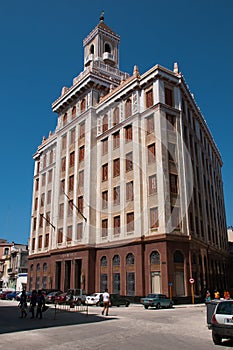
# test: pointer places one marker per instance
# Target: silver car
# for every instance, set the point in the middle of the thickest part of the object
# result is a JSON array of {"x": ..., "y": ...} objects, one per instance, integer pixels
[{"x": 222, "y": 321}]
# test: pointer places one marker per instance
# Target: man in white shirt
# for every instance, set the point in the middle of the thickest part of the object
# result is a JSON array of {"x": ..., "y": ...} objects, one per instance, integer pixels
[{"x": 106, "y": 301}]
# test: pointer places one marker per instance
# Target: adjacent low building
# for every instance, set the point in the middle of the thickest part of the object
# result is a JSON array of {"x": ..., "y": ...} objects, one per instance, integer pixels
[{"x": 128, "y": 190}]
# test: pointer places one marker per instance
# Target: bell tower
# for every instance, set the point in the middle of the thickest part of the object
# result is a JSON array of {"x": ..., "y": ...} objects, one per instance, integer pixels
[{"x": 102, "y": 45}]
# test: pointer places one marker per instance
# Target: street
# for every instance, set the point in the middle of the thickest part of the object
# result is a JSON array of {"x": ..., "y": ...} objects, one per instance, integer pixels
[{"x": 132, "y": 328}]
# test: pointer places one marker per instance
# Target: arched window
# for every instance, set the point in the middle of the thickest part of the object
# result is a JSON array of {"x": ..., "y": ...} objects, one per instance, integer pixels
[
  {"x": 130, "y": 259},
  {"x": 116, "y": 260},
  {"x": 178, "y": 257},
  {"x": 38, "y": 267},
  {"x": 116, "y": 116},
  {"x": 73, "y": 112},
  {"x": 103, "y": 261},
  {"x": 45, "y": 267},
  {"x": 31, "y": 267},
  {"x": 105, "y": 123},
  {"x": 155, "y": 257},
  {"x": 83, "y": 105},
  {"x": 128, "y": 108},
  {"x": 65, "y": 119},
  {"x": 92, "y": 49},
  {"x": 6, "y": 251},
  {"x": 107, "y": 48}
]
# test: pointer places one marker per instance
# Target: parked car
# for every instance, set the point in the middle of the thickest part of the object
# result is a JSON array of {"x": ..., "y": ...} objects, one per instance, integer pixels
[
  {"x": 50, "y": 298},
  {"x": 222, "y": 321},
  {"x": 117, "y": 300},
  {"x": 93, "y": 299},
  {"x": 3, "y": 294},
  {"x": 77, "y": 295},
  {"x": 12, "y": 295},
  {"x": 60, "y": 299},
  {"x": 156, "y": 300}
]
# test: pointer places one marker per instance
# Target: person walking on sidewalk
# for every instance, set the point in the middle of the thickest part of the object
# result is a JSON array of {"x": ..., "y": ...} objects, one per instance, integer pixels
[
  {"x": 40, "y": 303},
  {"x": 23, "y": 304},
  {"x": 106, "y": 301},
  {"x": 33, "y": 303}
]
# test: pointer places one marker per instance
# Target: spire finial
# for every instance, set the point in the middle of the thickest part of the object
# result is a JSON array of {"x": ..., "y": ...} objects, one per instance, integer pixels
[{"x": 102, "y": 16}]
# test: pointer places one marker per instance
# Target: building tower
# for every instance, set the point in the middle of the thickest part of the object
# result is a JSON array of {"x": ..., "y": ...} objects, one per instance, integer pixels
[{"x": 128, "y": 189}]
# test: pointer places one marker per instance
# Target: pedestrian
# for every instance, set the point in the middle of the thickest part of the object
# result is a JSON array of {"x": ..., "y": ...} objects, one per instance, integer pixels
[
  {"x": 40, "y": 303},
  {"x": 227, "y": 295},
  {"x": 216, "y": 294},
  {"x": 33, "y": 303},
  {"x": 208, "y": 296},
  {"x": 106, "y": 301},
  {"x": 23, "y": 304}
]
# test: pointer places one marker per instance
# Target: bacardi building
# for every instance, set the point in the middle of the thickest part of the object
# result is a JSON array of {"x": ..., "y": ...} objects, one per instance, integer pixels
[{"x": 128, "y": 189}]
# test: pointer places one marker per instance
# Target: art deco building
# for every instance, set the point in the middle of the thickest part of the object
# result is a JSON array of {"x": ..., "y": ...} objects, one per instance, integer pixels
[{"x": 128, "y": 190}]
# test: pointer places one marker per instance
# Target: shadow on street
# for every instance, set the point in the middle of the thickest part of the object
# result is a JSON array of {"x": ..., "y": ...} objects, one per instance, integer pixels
[{"x": 10, "y": 320}]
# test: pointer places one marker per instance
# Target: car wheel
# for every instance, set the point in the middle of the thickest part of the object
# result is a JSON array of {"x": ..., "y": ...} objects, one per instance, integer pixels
[
  {"x": 146, "y": 306},
  {"x": 216, "y": 339},
  {"x": 98, "y": 303},
  {"x": 170, "y": 305},
  {"x": 158, "y": 306},
  {"x": 127, "y": 304}
]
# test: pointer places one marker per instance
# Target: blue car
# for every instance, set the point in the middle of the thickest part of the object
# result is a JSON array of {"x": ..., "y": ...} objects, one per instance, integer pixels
[{"x": 12, "y": 295}]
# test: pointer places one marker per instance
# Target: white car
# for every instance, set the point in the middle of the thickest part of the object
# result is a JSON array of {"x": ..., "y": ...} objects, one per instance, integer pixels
[
  {"x": 93, "y": 299},
  {"x": 222, "y": 321}
]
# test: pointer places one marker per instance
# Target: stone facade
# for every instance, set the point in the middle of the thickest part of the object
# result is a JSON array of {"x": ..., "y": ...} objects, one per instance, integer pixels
[{"x": 128, "y": 189}]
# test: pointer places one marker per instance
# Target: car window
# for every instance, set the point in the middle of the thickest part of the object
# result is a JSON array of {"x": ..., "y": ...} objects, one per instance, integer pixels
[{"x": 225, "y": 308}]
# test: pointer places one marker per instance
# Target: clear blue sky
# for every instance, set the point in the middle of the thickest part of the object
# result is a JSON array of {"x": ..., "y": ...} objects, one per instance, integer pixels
[{"x": 41, "y": 51}]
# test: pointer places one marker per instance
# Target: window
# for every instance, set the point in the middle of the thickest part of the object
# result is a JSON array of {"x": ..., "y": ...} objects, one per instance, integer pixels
[
  {"x": 64, "y": 140},
  {"x": 41, "y": 221},
  {"x": 81, "y": 153},
  {"x": 80, "y": 204},
  {"x": 155, "y": 258},
  {"x": 103, "y": 281},
  {"x": 173, "y": 183},
  {"x": 37, "y": 184},
  {"x": 116, "y": 116},
  {"x": 117, "y": 225},
  {"x": 70, "y": 207},
  {"x": 104, "y": 199},
  {"x": 36, "y": 204},
  {"x": 130, "y": 259},
  {"x": 175, "y": 212},
  {"x": 116, "y": 140},
  {"x": 49, "y": 195},
  {"x": 72, "y": 136},
  {"x": 69, "y": 233},
  {"x": 79, "y": 231},
  {"x": 71, "y": 183},
  {"x": 154, "y": 220},
  {"x": 178, "y": 257},
  {"x": 149, "y": 98},
  {"x": 116, "y": 167},
  {"x": 107, "y": 48},
  {"x": 38, "y": 267},
  {"x": 129, "y": 191},
  {"x": 129, "y": 162},
  {"x": 60, "y": 235},
  {"x": 6, "y": 251},
  {"x": 103, "y": 261},
  {"x": 46, "y": 243},
  {"x": 128, "y": 108},
  {"x": 61, "y": 210},
  {"x": 151, "y": 153},
  {"x": 34, "y": 224},
  {"x": 168, "y": 96},
  {"x": 50, "y": 176},
  {"x": 73, "y": 112},
  {"x": 33, "y": 243},
  {"x": 92, "y": 49},
  {"x": 150, "y": 124},
  {"x": 130, "y": 283},
  {"x": 171, "y": 152},
  {"x": 153, "y": 184},
  {"x": 83, "y": 105},
  {"x": 40, "y": 242},
  {"x": 105, "y": 228},
  {"x": 47, "y": 218},
  {"x": 63, "y": 164},
  {"x": 72, "y": 158},
  {"x": 51, "y": 157},
  {"x": 105, "y": 123},
  {"x": 104, "y": 172},
  {"x": 82, "y": 130},
  {"x": 81, "y": 178},
  {"x": 116, "y": 260},
  {"x": 116, "y": 195},
  {"x": 104, "y": 146},
  {"x": 64, "y": 119},
  {"x": 171, "y": 121},
  {"x": 43, "y": 179},
  {"x": 42, "y": 200},
  {"x": 44, "y": 160},
  {"x": 45, "y": 267},
  {"x": 130, "y": 222},
  {"x": 38, "y": 167},
  {"x": 128, "y": 133}
]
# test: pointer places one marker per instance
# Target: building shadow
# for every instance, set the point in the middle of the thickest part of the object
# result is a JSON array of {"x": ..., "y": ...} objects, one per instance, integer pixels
[{"x": 10, "y": 320}]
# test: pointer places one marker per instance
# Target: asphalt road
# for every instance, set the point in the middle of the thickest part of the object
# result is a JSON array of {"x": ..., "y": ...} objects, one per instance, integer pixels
[{"x": 132, "y": 328}]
